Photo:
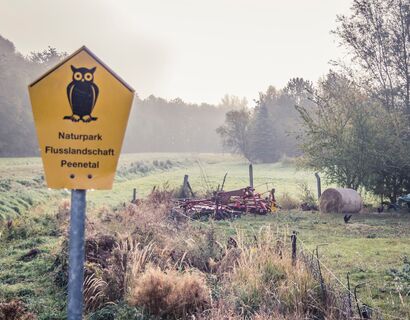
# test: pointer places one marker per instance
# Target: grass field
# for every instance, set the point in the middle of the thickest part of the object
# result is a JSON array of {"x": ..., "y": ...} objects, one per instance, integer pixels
[{"x": 373, "y": 248}]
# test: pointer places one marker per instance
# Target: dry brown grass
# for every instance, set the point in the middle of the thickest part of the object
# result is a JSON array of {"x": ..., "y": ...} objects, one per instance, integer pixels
[
  {"x": 94, "y": 292},
  {"x": 264, "y": 282},
  {"x": 287, "y": 202},
  {"x": 170, "y": 294},
  {"x": 170, "y": 269}
]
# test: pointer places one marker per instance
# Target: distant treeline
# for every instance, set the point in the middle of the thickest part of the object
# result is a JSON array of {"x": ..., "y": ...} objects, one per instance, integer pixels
[
  {"x": 155, "y": 124},
  {"x": 158, "y": 125},
  {"x": 17, "y": 135}
]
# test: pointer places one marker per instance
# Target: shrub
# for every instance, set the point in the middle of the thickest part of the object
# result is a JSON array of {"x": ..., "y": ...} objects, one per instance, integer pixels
[{"x": 306, "y": 195}]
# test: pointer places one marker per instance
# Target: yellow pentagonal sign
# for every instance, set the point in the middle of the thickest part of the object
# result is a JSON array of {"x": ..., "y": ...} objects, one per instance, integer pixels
[{"x": 80, "y": 110}]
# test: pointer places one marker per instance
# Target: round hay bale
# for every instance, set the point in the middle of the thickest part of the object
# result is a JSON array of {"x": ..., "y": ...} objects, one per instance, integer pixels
[{"x": 340, "y": 200}]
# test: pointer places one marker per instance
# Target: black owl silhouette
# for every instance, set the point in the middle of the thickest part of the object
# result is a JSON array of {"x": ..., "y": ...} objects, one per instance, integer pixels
[{"x": 82, "y": 94}]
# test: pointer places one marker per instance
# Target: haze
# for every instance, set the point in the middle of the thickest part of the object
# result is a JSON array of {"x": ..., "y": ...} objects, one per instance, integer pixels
[{"x": 195, "y": 50}]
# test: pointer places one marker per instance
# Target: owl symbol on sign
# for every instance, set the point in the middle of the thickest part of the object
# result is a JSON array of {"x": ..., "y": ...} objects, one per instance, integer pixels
[{"x": 82, "y": 95}]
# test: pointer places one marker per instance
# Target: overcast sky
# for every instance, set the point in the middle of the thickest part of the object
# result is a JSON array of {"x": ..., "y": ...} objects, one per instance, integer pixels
[{"x": 197, "y": 50}]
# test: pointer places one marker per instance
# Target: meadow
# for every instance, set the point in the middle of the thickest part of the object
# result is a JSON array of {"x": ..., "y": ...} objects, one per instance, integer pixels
[{"x": 373, "y": 248}]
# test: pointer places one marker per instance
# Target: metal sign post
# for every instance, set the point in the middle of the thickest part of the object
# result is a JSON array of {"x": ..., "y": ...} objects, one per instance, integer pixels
[{"x": 76, "y": 255}]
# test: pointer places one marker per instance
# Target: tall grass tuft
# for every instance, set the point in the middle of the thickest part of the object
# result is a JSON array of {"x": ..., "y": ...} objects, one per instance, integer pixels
[
  {"x": 264, "y": 282},
  {"x": 94, "y": 292},
  {"x": 170, "y": 294},
  {"x": 287, "y": 202}
]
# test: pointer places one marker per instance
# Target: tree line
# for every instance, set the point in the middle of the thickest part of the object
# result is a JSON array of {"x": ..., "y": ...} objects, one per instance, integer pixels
[{"x": 155, "y": 124}]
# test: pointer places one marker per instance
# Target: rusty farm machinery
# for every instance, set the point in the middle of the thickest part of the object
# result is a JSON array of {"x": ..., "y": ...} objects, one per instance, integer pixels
[{"x": 228, "y": 204}]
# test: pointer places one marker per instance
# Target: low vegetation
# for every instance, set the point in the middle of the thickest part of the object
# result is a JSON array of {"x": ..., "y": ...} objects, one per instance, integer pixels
[{"x": 214, "y": 270}]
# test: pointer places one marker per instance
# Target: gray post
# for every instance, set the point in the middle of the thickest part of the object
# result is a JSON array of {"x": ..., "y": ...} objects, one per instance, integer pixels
[
  {"x": 319, "y": 186},
  {"x": 185, "y": 187},
  {"x": 134, "y": 195},
  {"x": 76, "y": 255},
  {"x": 293, "y": 239},
  {"x": 251, "y": 175}
]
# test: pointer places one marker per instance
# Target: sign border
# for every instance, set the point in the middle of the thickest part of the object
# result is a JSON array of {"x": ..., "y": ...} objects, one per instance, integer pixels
[{"x": 83, "y": 48}]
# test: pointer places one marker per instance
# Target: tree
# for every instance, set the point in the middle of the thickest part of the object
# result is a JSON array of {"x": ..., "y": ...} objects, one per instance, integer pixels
[
  {"x": 390, "y": 166},
  {"x": 47, "y": 57},
  {"x": 340, "y": 132},
  {"x": 232, "y": 102},
  {"x": 377, "y": 36},
  {"x": 235, "y": 132},
  {"x": 262, "y": 134}
]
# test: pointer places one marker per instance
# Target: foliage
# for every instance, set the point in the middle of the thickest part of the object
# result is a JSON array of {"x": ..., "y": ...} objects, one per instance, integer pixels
[
  {"x": 354, "y": 141},
  {"x": 235, "y": 131},
  {"x": 184, "y": 127},
  {"x": 306, "y": 195},
  {"x": 340, "y": 132}
]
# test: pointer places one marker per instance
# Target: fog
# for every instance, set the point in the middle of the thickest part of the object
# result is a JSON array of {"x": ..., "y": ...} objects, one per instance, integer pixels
[
  {"x": 182, "y": 58},
  {"x": 195, "y": 50}
]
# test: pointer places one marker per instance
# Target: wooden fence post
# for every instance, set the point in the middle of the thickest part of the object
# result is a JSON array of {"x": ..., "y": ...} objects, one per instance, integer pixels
[
  {"x": 134, "y": 195},
  {"x": 251, "y": 175},
  {"x": 293, "y": 240},
  {"x": 319, "y": 186},
  {"x": 185, "y": 187}
]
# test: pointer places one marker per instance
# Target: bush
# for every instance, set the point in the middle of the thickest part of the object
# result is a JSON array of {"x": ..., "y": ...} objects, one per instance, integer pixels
[{"x": 306, "y": 195}]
